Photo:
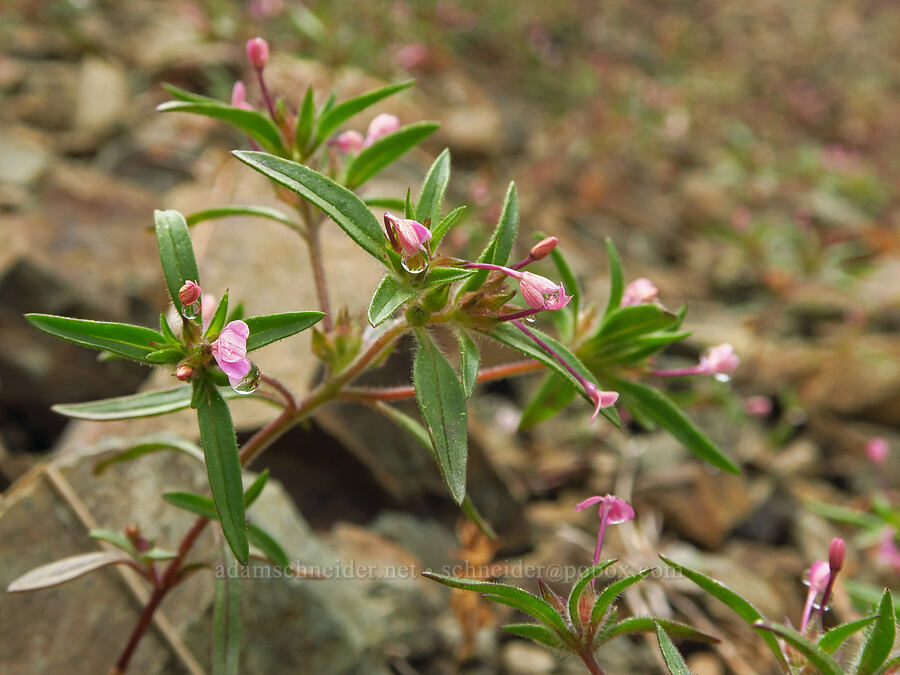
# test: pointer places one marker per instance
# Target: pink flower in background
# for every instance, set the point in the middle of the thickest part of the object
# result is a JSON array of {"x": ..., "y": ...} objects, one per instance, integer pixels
[
  {"x": 612, "y": 512},
  {"x": 541, "y": 293},
  {"x": 877, "y": 451},
  {"x": 409, "y": 234},
  {"x": 230, "y": 351},
  {"x": 888, "y": 551},
  {"x": 601, "y": 399},
  {"x": 411, "y": 56},
  {"x": 266, "y": 9},
  {"x": 380, "y": 127},
  {"x": 638, "y": 292},
  {"x": 719, "y": 359},
  {"x": 349, "y": 141},
  {"x": 239, "y": 96},
  {"x": 758, "y": 406},
  {"x": 258, "y": 53}
]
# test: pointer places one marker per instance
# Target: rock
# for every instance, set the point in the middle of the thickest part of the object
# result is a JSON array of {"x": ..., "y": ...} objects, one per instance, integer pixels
[
  {"x": 102, "y": 101},
  {"x": 525, "y": 658},
  {"x": 24, "y": 156}
]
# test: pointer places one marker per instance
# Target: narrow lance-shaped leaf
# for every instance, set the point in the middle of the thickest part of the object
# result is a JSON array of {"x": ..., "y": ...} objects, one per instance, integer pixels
[
  {"x": 469, "y": 360},
  {"x": 442, "y": 403},
  {"x": 256, "y": 125},
  {"x": 660, "y": 408},
  {"x": 440, "y": 276},
  {"x": 273, "y": 327},
  {"x": 499, "y": 248},
  {"x": 270, "y": 548},
  {"x": 61, "y": 571},
  {"x": 305, "y": 122},
  {"x": 580, "y": 584},
  {"x": 227, "y": 622},
  {"x": 385, "y": 151},
  {"x": 609, "y": 594},
  {"x": 645, "y": 624},
  {"x": 143, "y": 404},
  {"x": 428, "y": 208},
  {"x": 443, "y": 226},
  {"x": 223, "y": 467},
  {"x": 835, "y": 637},
  {"x": 230, "y": 211},
  {"x": 626, "y": 324},
  {"x": 817, "y": 657},
  {"x": 185, "y": 95},
  {"x": 333, "y": 117},
  {"x": 176, "y": 252},
  {"x": 616, "y": 278},
  {"x": 117, "y": 539},
  {"x": 126, "y": 450},
  {"x": 674, "y": 662},
  {"x": 339, "y": 203},
  {"x": 880, "y": 639},
  {"x": 132, "y": 342},
  {"x": 554, "y": 394},
  {"x": 536, "y": 632},
  {"x": 218, "y": 319},
  {"x": 252, "y": 493},
  {"x": 387, "y": 299},
  {"x": 570, "y": 283}
]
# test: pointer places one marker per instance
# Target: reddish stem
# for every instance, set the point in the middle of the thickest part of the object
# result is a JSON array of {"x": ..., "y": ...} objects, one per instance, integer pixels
[{"x": 587, "y": 656}]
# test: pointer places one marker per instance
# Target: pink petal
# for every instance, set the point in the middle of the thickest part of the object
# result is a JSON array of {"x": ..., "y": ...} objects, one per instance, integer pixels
[
  {"x": 590, "y": 501},
  {"x": 638, "y": 292},
  {"x": 818, "y": 576},
  {"x": 620, "y": 511},
  {"x": 236, "y": 370}
]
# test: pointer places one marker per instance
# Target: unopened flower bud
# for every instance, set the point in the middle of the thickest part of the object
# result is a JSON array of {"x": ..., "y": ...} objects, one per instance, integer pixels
[
  {"x": 542, "y": 249},
  {"x": 836, "y": 552},
  {"x": 258, "y": 52},
  {"x": 239, "y": 96},
  {"x": 349, "y": 141},
  {"x": 877, "y": 451},
  {"x": 189, "y": 293},
  {"x": 409, "y": 235},
  {"x": 638, "y": 292},
  {"x": 133, "y": 533},
  {"x": 184, "y": 373},
  {"x": 380, "y": 127}
]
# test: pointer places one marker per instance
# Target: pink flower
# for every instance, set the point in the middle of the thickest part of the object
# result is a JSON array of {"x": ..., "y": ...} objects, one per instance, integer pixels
[
  {"x": 601, "y": 399},
  {"x": 230, "y": 351},
  {"x": 719, "y": 359},
  {"x": 239, "y": 96},
  {"x": 612, "y": 511},
  {"x": 819, "y": 574},
  {"x": 638, "y": 292},
  {"x": 189, "y": 293},
  {"x": 349, "y": 141},
  {"x": 888, "y": 551},
  {"x": 877, "y": 451},
  {"x": 411, "y": 56},
  {"x": 541, "y": 293},
  {"x": 258, "y": 53},
  {"x": 406, "y": 233},
  {"x": 380, "y": 127},
  {"x": 758, "y": 406}
]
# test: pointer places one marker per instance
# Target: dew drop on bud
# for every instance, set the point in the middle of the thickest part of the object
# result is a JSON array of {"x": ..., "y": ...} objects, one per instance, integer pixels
[
  {"x": 250, "y": 383},
  {"x": 415, "y": 265},
  {"x": 191, "y": 311}
]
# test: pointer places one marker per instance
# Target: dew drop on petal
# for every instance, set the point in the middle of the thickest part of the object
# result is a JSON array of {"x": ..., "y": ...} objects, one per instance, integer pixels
[
  {"x": 250, "y": 383},
  {"x": 531, "y": 318},
  {"x": 415, "y": 264},
  {"x": 191, "y": 311},
  {"x": 722, "y": 377}
]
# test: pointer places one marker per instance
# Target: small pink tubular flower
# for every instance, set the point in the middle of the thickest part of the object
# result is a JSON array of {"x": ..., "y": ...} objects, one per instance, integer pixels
[
  {"x": 601, "y": 399},
  {"x": 719, "y": 359},
  {"x": 408, "y": 234},
  {"x": 230, "y": 351},
  {"x": 349, "y": 141},
  {"x": 877, "y": 451},
  {"x": 541, "y": 293},
  {"x": 258, "y": 53},
  {"x": 239, "y": 96},
  {"x": 380, "y": 127},
  {"x": 819, "y": 573},
  {"x": 638, "y": 292},
  {"x": 612, "y": 512}
]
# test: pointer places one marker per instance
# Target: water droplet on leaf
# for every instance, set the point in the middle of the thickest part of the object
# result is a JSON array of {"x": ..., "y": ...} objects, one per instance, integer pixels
[{"x": 191, "y": 311}]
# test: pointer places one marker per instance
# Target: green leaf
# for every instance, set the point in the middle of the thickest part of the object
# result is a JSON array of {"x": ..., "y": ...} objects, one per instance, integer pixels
[
  {"x": 165, "y": 355},
  {"x": 385, "y": 151},
  {"x": 428, "y": 208},
  {"x": 818, "y": 658},
  {"x": 117, "y": 539},
  {"x": 61, "y": 571},
  {"x": 218, "y": 320},
  {"x": 739, "y": 605},
  {"x": 442, "y": 403},
  {"x": 305, "y": 122},
  {"x": 143, "y": 404},
  {"x": 157, "y": 553},
  {"x": 616, "y": 278},
  {"x": 176, "y": 252},
  {"x": 880, "y": 639},
  {"x": 252, "y": 493},
  {"x": 132, "y": 342},
  {"x": 660, "y": 408},
  {"x": 609, "y": 594},
  {"x": 270, "y": 328},
  {"x": 554, "y": 394},
  {"x": 127, "y": 449},
  {"x": 888, "y": 665},
  {"x": 569, "y": 282},
  {"x": 839, "y": 634},
  {"x": 334, "y": 117},
  {"x": 580, "y": 584},
  {"x": 538, "y": 633},
  {"x": 499, "y": 248},
  {"x": 227, "y": 624},
  {"x": 255, "y": 124},
  {"x": 629, "y": 323},
  {"x": 469, "y": 361},
  {"x": 633, "y": 351},
  {"x": 446, "y": 275},
  {"x": 341, "y": 205},
  {"x": 511, "y": 336},
  {"x": 196, "y": 504},
  {"x": 474, "y": 515},
  {"x": 166, "y": 331},
  {"x": 223, "y": 467},
  {"x": 389, "y": 203},
  {"x": 387, "y": 299},
  {"x": 228, "y": 211},
  {"x": 185, "y": 95},
  {"x": 647, "y": 624},
  {"x": 438, "y": 231},
  {"x": 674, "y": 662},
  {"x": 266, "y": 543},
  {"x": 507, "y": 595},
  {"x": 408, "y": 210}
]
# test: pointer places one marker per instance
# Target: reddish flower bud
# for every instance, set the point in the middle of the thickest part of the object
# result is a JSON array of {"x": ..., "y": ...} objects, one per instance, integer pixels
[
  {"x": 189, "y": 293},
  {"x": 408, "y": 234},
  {"x": 380, "y": 127},
  {"x": 877, "y": 451},
  {"x": 349, "y": 141},
  {"x": 258, "y": 52},
  {"x": 184, "y": 372},
  {"x": 542, "y": 249},
  {"x": 836, "y": 552},
  {"x": 239, "y": 96}
]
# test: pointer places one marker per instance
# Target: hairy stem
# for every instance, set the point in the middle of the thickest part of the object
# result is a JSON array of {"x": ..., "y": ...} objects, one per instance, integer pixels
[
  {"x": 314, "y": 246},
  {"x": 588, "y": 657}
]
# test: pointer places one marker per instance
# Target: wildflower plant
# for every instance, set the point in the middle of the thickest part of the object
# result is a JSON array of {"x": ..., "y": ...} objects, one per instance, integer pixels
[{"x": 604, "y": 355}]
